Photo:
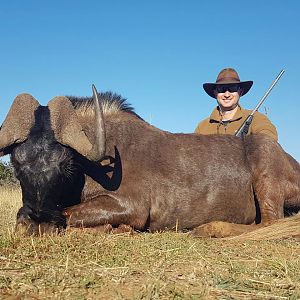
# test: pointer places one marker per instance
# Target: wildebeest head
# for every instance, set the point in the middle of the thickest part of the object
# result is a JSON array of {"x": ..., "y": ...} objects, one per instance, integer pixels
[{"x": 44, "y": 142}]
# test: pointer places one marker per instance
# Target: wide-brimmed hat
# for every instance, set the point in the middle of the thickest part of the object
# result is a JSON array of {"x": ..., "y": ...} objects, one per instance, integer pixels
[{"x": 227, "y": 76}]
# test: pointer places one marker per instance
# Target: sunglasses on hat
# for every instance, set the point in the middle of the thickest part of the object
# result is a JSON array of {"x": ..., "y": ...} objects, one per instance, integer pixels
[{"x": 229, "y": 88}]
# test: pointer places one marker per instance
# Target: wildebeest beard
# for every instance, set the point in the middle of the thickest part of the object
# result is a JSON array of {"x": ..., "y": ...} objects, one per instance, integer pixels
[{"x": 49, "y": 176}]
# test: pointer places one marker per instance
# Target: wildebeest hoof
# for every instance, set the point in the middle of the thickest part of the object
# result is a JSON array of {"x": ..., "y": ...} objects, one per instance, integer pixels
[
  {"x": 26, "y": 226},
  {"x": 220, "y": 229},
  {"x": 123, "y": 228},
  {"x": 106, "y": 228}
]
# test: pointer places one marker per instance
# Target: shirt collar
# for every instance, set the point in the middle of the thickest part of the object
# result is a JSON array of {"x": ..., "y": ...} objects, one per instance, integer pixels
[{"x": 215, "y": 116}]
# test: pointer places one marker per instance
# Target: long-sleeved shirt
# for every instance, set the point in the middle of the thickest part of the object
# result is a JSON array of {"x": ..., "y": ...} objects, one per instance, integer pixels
[{"x": 215, "y": 125}]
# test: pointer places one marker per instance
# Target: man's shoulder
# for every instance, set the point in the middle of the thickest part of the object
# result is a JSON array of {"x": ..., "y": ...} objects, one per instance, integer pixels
[
  {"x": 257, "y": 115},
  {"x": 204, "y": 126},
  {"x": 260, "y": 116},
  {"x": 262, "y": 124},
  {"x": 201, "y": 125},
  {"x": 204, "y": 121}
]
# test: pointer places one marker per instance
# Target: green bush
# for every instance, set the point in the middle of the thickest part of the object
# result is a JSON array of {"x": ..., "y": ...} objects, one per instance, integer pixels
[{"x": 7, "y": 176}]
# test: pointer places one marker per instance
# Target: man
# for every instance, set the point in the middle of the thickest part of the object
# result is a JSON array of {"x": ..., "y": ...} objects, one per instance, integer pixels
[{"x": 228, "y": 116}]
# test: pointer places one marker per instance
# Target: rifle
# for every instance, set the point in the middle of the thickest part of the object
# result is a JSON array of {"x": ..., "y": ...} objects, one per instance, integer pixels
[{"x": 243, "y": 130}]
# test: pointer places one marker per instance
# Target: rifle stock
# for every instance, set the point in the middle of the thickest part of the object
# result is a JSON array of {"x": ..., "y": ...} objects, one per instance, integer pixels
[{"x": 243, "y": 130}]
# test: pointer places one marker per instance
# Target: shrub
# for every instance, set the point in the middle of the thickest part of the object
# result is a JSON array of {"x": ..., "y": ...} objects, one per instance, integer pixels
[{"x": 7, "y": 176}]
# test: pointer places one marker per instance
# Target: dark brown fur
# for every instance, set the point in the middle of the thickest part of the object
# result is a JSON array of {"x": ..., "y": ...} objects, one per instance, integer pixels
[
  {"x": 159, "y": 181},
  {"x": 184, "y": 180}
]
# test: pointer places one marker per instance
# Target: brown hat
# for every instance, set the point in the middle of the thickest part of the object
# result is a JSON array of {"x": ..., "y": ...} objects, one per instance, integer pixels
[{"x": 227, "y": 76}]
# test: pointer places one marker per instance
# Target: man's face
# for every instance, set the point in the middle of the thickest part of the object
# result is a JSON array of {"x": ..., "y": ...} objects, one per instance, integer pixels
[{"x": 227, "y": 98}]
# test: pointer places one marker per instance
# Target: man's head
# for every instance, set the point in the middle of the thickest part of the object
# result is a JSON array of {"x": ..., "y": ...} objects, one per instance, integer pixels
[
  {"x": 228, "y": 96},
  {"x": 227, "y": 89}
]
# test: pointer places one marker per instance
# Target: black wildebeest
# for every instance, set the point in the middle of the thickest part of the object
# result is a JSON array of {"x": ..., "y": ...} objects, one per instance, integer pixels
[{"x": 64, "y": 154}]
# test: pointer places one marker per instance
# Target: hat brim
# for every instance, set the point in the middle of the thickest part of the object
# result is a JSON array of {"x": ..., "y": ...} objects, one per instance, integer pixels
[{"x": 210, "y": 87}]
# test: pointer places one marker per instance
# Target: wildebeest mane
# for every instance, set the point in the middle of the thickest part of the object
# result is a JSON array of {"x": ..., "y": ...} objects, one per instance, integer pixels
[{"x": 110, "y": 102}]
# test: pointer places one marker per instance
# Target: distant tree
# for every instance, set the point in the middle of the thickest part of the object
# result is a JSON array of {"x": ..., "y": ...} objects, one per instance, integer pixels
[{"x": 7, "y": 176}]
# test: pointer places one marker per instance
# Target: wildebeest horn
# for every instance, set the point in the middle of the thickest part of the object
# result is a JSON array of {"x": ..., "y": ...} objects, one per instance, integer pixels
[
  {"x": 100, "y": 142},
  {"x": 68, "y": 130},
  {"x": 18, "y": 122}
]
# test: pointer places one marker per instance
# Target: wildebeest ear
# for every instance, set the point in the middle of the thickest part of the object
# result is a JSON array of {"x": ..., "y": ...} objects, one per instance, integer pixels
[
  {"x": 67, "y": 128},
  {"x": 19, "y": 120}
]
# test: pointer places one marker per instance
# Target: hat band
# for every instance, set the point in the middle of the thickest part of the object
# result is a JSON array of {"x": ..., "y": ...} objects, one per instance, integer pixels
[{"x": 228, "y": 79}]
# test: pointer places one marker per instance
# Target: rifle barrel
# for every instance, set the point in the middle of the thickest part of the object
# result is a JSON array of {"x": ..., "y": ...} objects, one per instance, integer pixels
[
  {"x": 243, "y": 130},
  {"x": 267, "y": 92}
]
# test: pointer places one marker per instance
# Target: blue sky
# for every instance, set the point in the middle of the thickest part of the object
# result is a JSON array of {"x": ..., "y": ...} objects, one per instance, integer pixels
[{"x": 156, "y": 53}]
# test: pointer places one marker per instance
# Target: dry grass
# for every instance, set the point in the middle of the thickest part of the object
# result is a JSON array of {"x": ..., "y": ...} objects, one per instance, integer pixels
[
  {"x": 10, "y": 202},
  {"x": 83, "y": 264}
]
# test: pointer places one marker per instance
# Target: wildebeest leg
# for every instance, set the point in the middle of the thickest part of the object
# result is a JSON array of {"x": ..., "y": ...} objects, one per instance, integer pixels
[
  {"x": 28, "y": 226},
  {"x": 106, "y": 209},
  {"x": 107, "y": 228},
  {"x": 219, "y": 229},
  {"x": 270, "y": 199},
  {"x": 270, "y": 209}
]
